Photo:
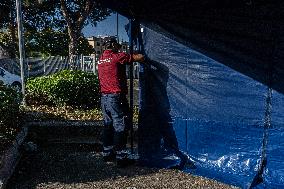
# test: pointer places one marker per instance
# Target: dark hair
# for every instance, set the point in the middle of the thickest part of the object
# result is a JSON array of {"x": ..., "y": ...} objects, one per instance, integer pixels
[{"x": 107, "y": 41}]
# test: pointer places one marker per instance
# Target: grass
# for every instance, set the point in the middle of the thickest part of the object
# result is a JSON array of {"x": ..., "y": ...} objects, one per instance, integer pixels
[{"x": 44, "y": 113}]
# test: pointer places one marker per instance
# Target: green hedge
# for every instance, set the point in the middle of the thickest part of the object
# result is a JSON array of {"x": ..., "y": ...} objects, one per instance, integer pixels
[
  {"x": 10, "y": 101},
  {"x": 72, "y": 88}
]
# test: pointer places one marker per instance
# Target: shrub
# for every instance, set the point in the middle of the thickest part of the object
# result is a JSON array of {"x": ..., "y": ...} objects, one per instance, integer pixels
[
  {"x": 9, "y": 103},
  {"x": 72, "y": 88},
  {"x": 9, "y": 111}
]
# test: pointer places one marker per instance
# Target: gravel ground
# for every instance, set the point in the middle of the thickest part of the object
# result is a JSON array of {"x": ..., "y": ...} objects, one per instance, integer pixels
[{"x": 69, "y": 167}]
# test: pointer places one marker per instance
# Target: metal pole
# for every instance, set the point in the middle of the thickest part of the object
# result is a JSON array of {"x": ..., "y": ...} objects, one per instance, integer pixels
[
  {"x": 82, "y": 62},
  {"x": 44, "y": 67},
  {"x": 131, "y": 84},
  {"x": 94, "y": 64},
  {"x": 21, "y": 44},
  {"x": 117, "y": 27}
]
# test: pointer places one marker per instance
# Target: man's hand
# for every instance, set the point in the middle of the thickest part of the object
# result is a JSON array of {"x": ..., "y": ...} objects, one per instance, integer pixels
[{"x": 138, "y": 57}]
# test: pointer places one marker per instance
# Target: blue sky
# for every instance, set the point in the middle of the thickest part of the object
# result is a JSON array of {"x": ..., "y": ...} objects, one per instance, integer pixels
[{"x": 108, "y": 27}]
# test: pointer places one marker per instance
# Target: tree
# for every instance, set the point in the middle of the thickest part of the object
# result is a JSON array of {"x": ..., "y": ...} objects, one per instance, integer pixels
[
  {"x": 7, "y": 20},
  {"x": 70, "y": 16},
  {"x": 47, "y": 42},
  {"x": 4, "y": 11},
  {"x": 43, "y": 23},
  {"x": 78, "y": 13},
  {"x": 46, "y": 22},
  {"x": 84, "y": 47}
]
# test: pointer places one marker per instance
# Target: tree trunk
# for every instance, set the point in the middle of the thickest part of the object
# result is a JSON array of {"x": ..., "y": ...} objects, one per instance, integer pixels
[
  {"x": 73, "y": 44},
  {"x": 75, "y": 24}
]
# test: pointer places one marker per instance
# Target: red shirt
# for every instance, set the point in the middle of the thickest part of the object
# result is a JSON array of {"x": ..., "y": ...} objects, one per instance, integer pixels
[{"x": 112, "y": 71}]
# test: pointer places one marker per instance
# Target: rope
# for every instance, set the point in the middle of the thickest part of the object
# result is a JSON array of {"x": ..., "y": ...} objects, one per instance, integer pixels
[{"x": 267, "y": 118}]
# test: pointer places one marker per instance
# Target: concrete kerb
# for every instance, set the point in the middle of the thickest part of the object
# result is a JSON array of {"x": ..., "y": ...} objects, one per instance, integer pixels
[{"x": 11, "y": 157}]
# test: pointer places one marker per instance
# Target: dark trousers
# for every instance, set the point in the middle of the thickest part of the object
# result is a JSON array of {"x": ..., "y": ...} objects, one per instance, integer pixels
[{"x": 116, "y": 121}]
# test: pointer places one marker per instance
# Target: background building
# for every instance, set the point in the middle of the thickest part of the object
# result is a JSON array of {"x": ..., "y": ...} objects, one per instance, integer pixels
[{"x": 97, "y": 44}]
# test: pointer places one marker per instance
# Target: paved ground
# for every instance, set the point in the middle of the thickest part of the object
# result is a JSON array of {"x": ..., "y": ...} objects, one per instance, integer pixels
[{"x": 77, "y": 166}]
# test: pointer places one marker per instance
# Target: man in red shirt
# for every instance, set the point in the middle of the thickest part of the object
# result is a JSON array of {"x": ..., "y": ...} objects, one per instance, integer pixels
[{"x": 113, "y": 84}]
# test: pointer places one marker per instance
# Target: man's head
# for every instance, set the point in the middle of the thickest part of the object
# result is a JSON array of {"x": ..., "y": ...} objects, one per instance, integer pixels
[{"x": 111, "y": 43}]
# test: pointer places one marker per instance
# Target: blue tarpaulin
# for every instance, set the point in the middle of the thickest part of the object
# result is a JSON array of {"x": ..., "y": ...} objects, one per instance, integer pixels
[
  {"x": 212, "y": 87},
  {"x": 216, "y": 115}
]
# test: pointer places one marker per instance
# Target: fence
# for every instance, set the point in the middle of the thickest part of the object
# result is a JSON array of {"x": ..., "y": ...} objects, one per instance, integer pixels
[{"x": 36, "y": 67}]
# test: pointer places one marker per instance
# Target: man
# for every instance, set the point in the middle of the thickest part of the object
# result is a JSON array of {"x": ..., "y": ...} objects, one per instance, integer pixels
[{"x": 113, "y": 84}]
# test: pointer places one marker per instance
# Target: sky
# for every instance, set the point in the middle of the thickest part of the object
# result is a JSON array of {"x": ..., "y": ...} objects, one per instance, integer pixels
[{"x": 108, "y": 27}]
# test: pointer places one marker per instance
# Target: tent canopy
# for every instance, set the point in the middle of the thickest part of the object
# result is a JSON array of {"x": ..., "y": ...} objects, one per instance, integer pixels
[
  {"x": 203, "y": 88},
  {"x": 244, "y": 35}
]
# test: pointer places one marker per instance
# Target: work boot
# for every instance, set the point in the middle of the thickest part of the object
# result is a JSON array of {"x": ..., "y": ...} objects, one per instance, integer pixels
[
  {"x": 108, "y": 154},
  {"x": 185, "y": 162},
  {"x": 123, "y": 159}
]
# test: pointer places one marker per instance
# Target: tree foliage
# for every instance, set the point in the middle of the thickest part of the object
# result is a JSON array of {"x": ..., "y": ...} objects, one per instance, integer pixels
[
  {"x": 77, "y": 14},
  {"x": 52, "y": 27},
  {"x": 7, "y": 22},
  {"x": 45, "y": 28},
  {"x": 4, "y": 12},
  {"x": 48, "y": 42}
]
